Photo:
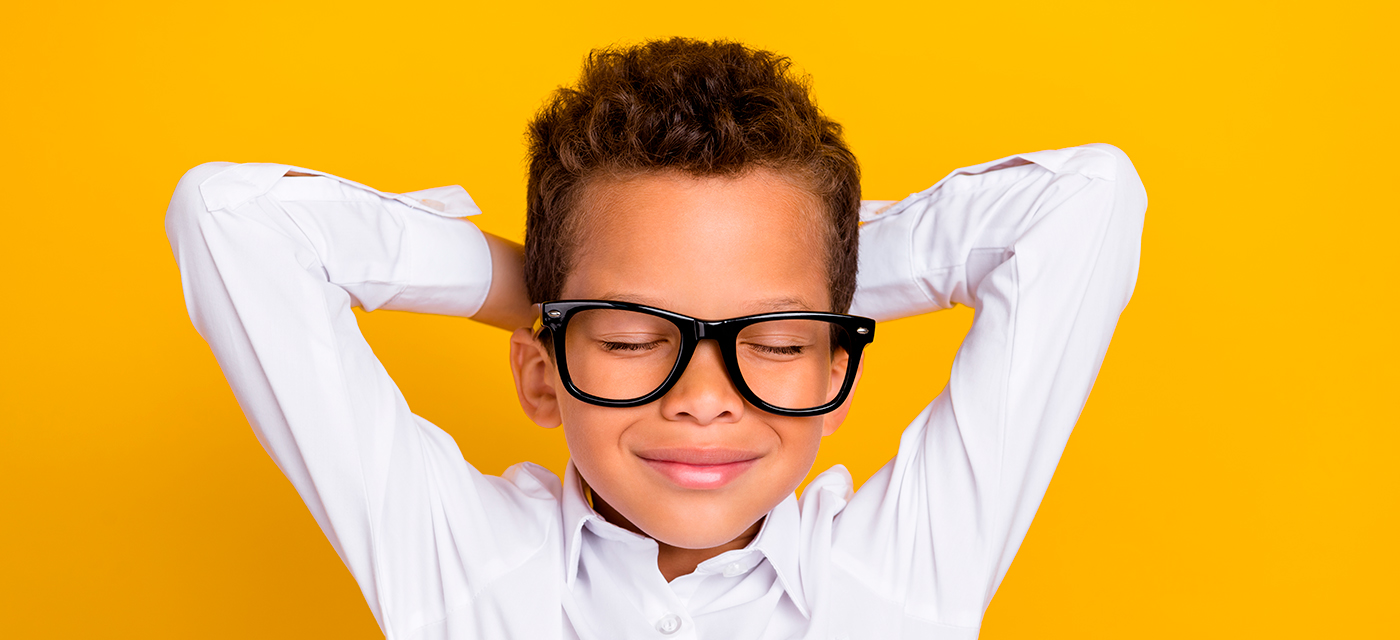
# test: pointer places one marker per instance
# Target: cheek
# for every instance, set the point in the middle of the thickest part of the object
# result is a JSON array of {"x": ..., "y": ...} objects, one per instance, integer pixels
[
  {"x": 801, "y": 439},
  {"x": 594, "y": 434},
  {"x": 584, "y": 425},
  {"x": 799, "y": 433}
]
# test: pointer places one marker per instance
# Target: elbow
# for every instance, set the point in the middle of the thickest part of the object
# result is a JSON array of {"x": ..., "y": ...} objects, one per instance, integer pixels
[
  {"x": 1126, "y": 218},
  {"x": 186, "y": 222},
  {"x": 187, "y": 210},
  {"x": 1130, "y": 188},
  {"x": 1118, "y": 164}
]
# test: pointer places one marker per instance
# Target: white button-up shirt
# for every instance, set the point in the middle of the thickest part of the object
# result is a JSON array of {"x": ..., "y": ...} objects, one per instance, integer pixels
[{"x": 1043, "y": 245}]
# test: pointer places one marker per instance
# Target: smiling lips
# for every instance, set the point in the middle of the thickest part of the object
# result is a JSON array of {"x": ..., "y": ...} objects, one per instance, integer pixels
[{"x": 699, "y": 468}]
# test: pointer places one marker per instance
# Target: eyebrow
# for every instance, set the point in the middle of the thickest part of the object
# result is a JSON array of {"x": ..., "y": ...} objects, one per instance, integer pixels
[
  {"x": 785, "y": 304},
  {"x": 760, "y": 306}
]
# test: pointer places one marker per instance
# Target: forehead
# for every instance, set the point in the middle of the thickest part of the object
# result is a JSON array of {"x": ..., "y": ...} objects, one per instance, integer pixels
[{"x": 710, "y": 247}]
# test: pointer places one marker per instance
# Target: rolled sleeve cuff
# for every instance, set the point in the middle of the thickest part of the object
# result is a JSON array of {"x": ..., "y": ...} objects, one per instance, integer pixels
[
  {"x": 886, "y": 287},
  {"x": 450, "y": 265}
]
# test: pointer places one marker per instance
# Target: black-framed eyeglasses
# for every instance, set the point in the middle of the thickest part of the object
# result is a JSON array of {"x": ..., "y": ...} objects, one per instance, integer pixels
[{"x": 621, "y": 354}]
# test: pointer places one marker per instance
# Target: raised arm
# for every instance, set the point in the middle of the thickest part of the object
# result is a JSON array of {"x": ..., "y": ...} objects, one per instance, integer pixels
[
  {"x": 271, "y": 266},
  {"x": 1044, "y": 246}
]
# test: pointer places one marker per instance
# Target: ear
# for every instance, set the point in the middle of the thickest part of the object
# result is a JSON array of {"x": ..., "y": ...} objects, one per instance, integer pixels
[
  {"x": 832, "y": 421},
  {"x": 534, "y": 379}
]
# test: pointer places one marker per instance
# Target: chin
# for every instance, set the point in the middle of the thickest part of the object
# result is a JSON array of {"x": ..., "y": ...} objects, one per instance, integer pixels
[
  {"x": 701, "y": 537},
  {"x": 692, "y": 527}
]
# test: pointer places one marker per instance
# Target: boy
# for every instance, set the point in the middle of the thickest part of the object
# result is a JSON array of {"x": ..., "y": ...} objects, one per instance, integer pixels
[{"x": 691, "y": 245}]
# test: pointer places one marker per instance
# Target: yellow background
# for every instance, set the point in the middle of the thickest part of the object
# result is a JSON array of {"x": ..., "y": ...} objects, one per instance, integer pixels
[{"x": 1235, "y": 471}]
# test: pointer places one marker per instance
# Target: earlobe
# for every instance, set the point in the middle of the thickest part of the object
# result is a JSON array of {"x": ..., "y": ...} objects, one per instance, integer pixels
[
  {"x": 832, "y": 421},
  {"x": 534, "y": 379}
]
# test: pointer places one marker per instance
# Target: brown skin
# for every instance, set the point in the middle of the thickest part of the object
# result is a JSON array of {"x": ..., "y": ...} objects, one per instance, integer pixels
[
  {"x": 506, "y": 304},
  {"x": 710, "y": 248}
]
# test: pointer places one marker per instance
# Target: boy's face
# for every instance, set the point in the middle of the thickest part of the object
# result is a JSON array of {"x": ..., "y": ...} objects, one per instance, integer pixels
[{"x": 711, "y": 248}]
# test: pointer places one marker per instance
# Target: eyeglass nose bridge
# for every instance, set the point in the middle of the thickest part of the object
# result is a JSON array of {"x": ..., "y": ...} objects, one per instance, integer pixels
[
  {"x": 724, "y": 334},
  {"x": 701, "y": 330},
  {"x": 707, "y": 330}
]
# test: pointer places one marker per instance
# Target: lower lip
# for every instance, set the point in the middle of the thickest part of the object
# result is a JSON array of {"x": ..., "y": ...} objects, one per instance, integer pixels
[{"x": 700, "y": 476}]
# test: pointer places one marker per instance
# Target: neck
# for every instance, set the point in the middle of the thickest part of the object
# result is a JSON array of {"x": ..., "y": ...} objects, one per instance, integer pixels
[{"x": 674, "y": 562}]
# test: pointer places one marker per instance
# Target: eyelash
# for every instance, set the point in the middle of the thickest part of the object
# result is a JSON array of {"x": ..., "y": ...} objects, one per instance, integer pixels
[
  {"x": 630, "y": 346},
  {"x": 794, "y": 350}
]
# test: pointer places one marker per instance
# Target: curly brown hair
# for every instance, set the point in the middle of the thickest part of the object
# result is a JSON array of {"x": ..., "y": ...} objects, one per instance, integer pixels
[{"x": 702, "y": 108}]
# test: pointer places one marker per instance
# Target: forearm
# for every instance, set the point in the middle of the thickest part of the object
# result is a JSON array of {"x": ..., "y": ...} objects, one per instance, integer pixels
[
  {"x": 932, "y": 249},
  {"x": 506, "y": 306}
]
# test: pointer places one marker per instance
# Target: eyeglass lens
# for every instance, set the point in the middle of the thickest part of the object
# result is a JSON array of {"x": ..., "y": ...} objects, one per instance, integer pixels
[{"x": 617, "y": 354}]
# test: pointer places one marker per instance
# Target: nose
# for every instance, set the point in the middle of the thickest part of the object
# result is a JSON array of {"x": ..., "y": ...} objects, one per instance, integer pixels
[{"x": 704, "y": 394}]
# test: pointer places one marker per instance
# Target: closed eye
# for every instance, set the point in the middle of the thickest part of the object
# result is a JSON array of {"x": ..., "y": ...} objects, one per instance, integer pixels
[
  {"x": 778, "y": 350},
  {"x": 609, "y": 345}
]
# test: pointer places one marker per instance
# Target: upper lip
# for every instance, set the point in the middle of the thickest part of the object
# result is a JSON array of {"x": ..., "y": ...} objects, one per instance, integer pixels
[{"x": 697, "y": 456}]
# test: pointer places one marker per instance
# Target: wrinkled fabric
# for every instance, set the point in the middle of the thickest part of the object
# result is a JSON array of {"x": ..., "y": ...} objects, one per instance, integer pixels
[{"x": 1043, "y": 245}]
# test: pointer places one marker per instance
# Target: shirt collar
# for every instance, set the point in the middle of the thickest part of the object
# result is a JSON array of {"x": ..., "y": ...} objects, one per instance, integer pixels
[
  {"x": 778, "y": 538},
  {"x": 240, "y": 183},
  {"x": 575, "y": 512}
]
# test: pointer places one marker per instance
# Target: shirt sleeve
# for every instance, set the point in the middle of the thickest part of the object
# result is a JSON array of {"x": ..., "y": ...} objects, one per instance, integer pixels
[
  {"x": 1044, "y": 247},
  {"x": 271, "y": 267}
]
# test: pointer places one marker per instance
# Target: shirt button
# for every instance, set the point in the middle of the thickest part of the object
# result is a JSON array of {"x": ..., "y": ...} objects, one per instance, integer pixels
[
  {"x": 669, "y": 624},
  {"x": 733, "y": 569}
]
